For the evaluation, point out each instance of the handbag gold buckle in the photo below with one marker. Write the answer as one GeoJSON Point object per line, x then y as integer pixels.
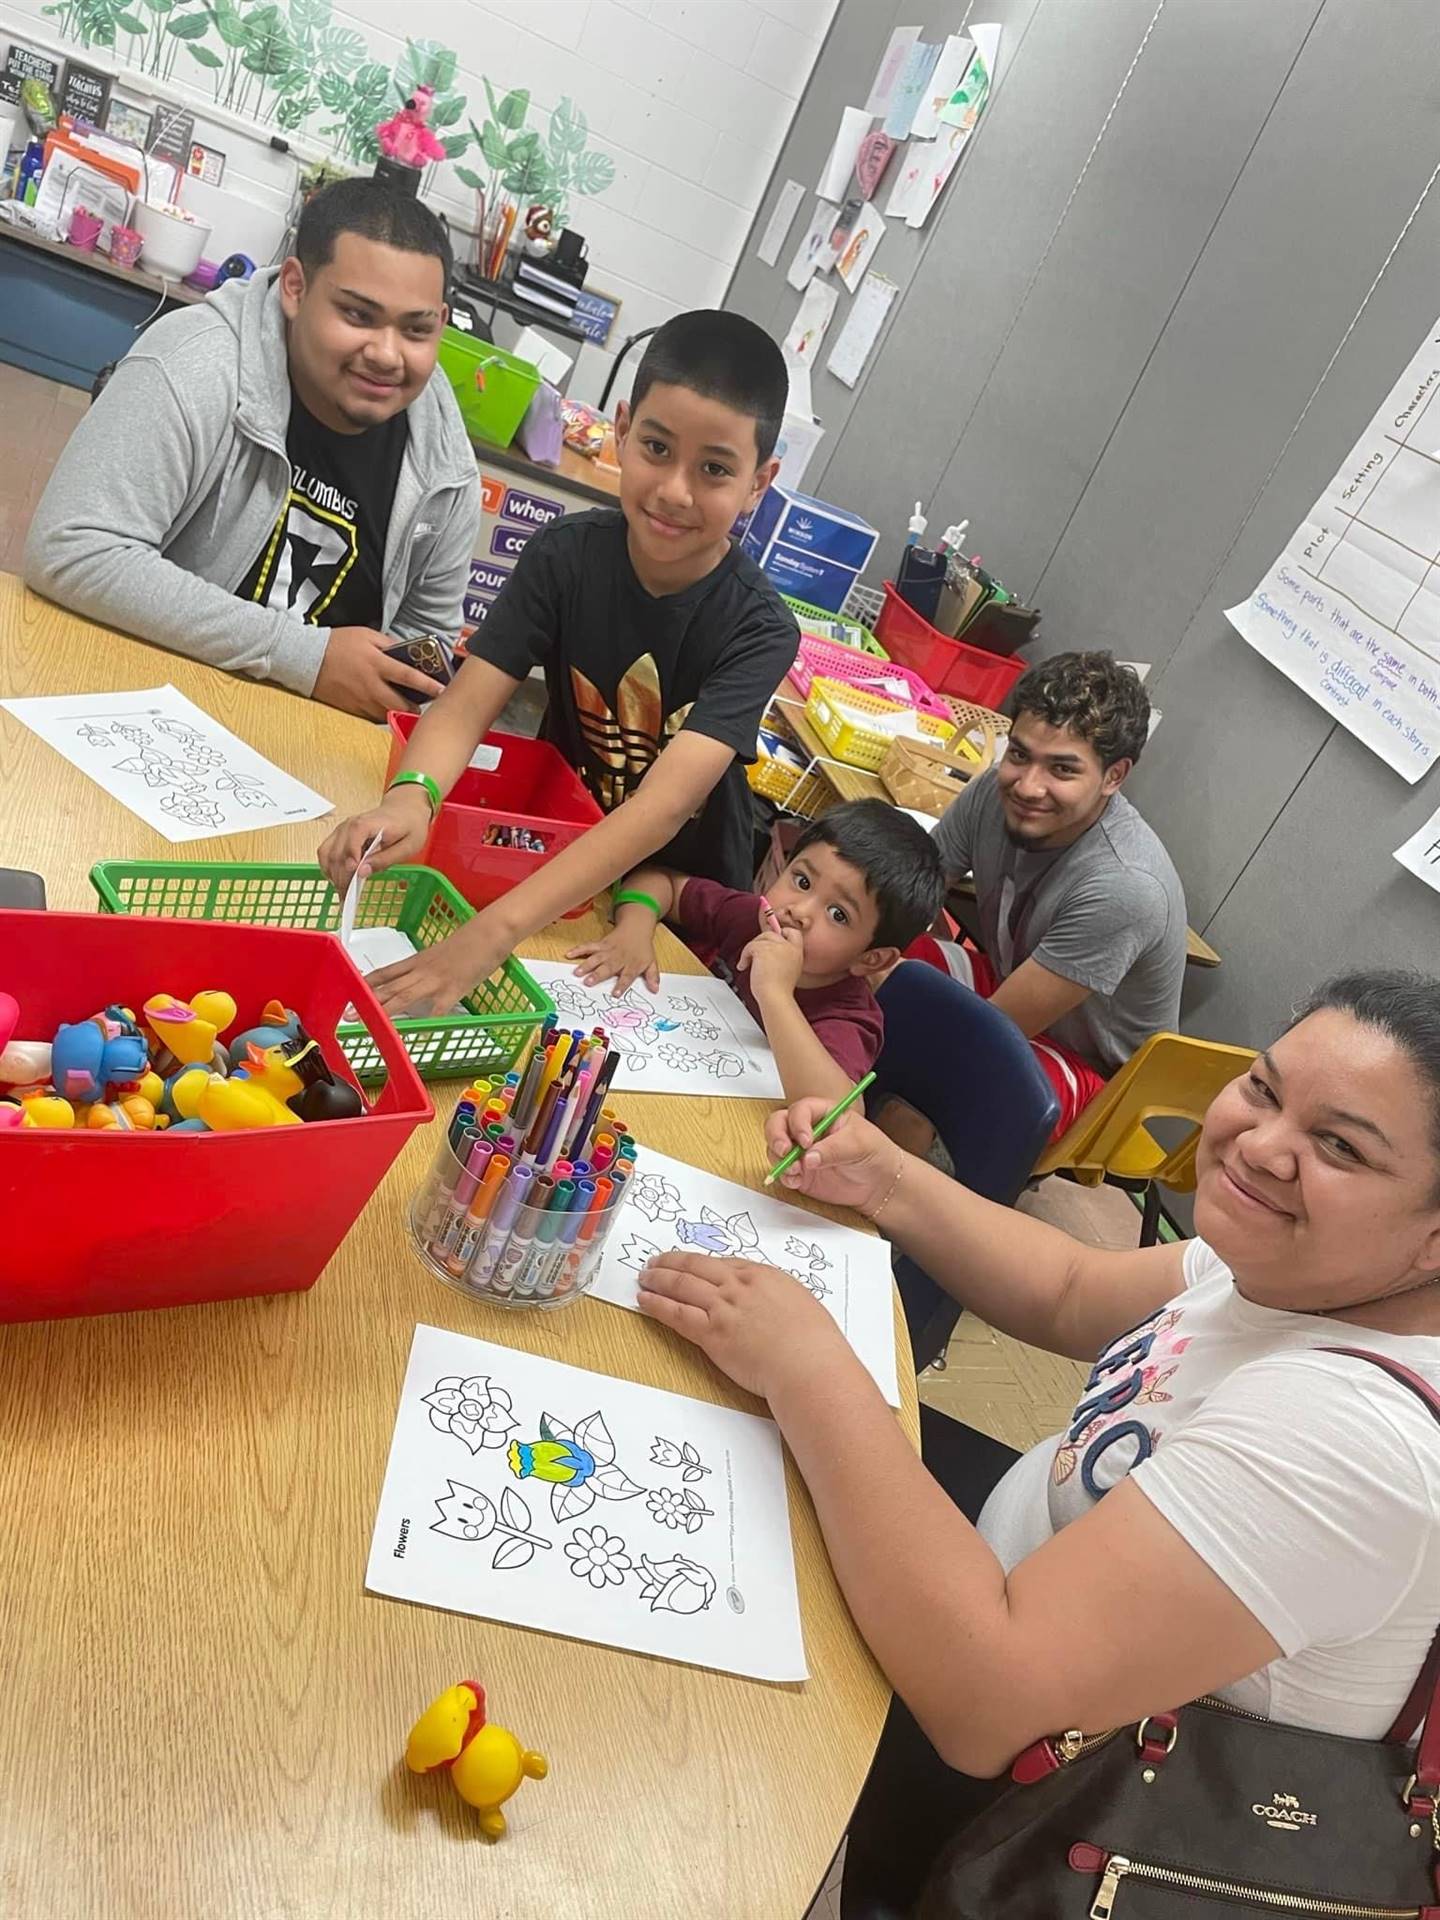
{"type": "Point", "coordinates": [1141, 1736]}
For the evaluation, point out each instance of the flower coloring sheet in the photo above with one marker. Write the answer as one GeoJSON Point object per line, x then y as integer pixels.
{"type": "Point", "coordinates": [524, 1490]}
{"type": "Point", "coordinates": [672, 1207]}
{"type": "Point", "coordinates": [694, 1036]}
{"type": "Point", "coordinates": [165, 759]}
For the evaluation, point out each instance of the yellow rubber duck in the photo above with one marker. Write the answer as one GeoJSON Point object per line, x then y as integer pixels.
{"type": "Point", "coordinates": [231, 1106]}
{"type": "Point", "coordinates": [188, 1029]}
{"type": "Point", "coordinates": [487, 1764]}
{"type": "Point", "coordinates": [47, 1110]}
{"type": "Point", "coordinates": [269, 1067]}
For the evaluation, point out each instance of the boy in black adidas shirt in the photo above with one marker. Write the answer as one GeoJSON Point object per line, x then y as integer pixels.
{"type": "Point", "coordinates": [661, 643]}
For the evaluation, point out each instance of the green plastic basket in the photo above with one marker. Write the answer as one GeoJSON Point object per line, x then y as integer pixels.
{"type": "Point", "coordinates": [860, 636]}
{"type": "Point", "coordinates": [502, 1012]}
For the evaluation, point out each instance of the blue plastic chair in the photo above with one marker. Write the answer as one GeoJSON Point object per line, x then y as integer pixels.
{"type": "Point", "coordinates": [970, 1071]}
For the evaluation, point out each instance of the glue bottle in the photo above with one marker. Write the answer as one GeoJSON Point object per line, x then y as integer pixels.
{"type": "Point", "coordinates": [918, 524]}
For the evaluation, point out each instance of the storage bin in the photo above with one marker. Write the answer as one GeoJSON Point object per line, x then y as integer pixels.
{"type": "Point", "coordinates": [105, 1222]}
{"type": "Point", "coordinates": [838, 714]}
{"type": "Point", "coordinates": [857, 634]}
{"type": "Point", "coordinates": [500, 1015]}
{"type": "Point", "coordinates": [854, 669]}
{"type": "Point", "coordinates": [533, 790]}
{"type": "Point", "coordinates": [949, 666]}
{"type": "Point", "coordinates": [493, 388]}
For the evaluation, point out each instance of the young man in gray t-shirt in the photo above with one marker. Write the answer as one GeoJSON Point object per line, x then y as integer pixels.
{"type": "Point", "coordinates": [1082, 917]}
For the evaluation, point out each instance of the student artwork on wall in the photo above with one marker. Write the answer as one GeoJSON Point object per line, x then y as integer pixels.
{"type": "Point", "coordinates": [949, 71]}
{"type": "Point", "coordinates": [1350, 612]}
{"type": "Point", "coordinates": [674, 1208]}
{"type": "Point", "coordinates": [165, 759]}
{"type": "Point", "coordinates": [694, 1036]}
{"type": "Point", "coordinates": [892, 66]}
{"type": "Point", "coordinates": [807, 329]}
{"type": "Point", "coordinates": [780, 222]}
{"type": "Point", "coordinates": [910, 89]}
{"type": "Point", "coordinates": [814, 253]}
{"type": "Point", "coordinates": [859, 249]}
{"type": "Point", "coordinates": [862, 327]}
{"type": "Point", "coordinates": [524, 1490]}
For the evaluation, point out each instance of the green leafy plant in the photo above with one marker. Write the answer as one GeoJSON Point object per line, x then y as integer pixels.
{"type": "Point", "coordinates": [530, 169]}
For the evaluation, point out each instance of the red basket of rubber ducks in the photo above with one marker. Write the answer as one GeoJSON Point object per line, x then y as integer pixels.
{"type": "Point", "coordinates": [177, 1121]}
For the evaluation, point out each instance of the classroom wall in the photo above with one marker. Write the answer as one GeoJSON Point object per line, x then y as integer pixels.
{"type": "Point", "coordinates": [1171, 282]}
{"type": "Point", "coordinates": [691, 99]}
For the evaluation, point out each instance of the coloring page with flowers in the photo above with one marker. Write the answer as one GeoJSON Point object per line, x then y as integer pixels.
{"type": "Point", "coordinates": [523, 1490]}
{"type": "Point", "coordinates": [671, 1207]}
{"type": "Point", "coordinates": [694, 1036]}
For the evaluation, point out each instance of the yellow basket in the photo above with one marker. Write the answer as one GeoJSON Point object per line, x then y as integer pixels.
{"type": "Point", "coordinates": [835, 710]}
{"type": "Point", "coordinates": [803, 790]}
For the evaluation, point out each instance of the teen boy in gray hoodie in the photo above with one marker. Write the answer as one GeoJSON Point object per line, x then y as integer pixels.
{"type": "Point", "coordinates": [271, 482]}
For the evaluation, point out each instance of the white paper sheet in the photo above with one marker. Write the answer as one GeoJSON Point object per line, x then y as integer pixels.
{"type": "Point", "coordinates": [1351, 610]}
{"type": "Point", "coordinates": [910, 89]}
{"type": "Point", "coordinates": [861, 330]}
{"type": "Point", "coordinates": [1420, 854]}
{"type": "Point", "coordinates": [840, 162]}
{"type": "Point", "coordinates": [165, 759]}
{"type": "Point", "coordinates": [971, 91]}
{"type": "Point", "coordinates": [859, 251]}
{"type": "Point", "coordinates": [807, 329]}
{"type": "Point", "coordinates": [949, 71]}
{"type": "Point", "coordinates": [672, 1538]}
{"type": "Point", "coordinates": [694, 1036]}
{"type": "Point", "coordinates": [939, 159]}
{"type": "Point", "coordinates": [909, 170]}
{"type": "Point", "coordinates": [892, 65]}
{"type": "Point", "coordinates": [814, 253]}
{"type": "Point", "coordinates": [670, 1205]}
{"type": "Point", "coordinates": [778, 225]}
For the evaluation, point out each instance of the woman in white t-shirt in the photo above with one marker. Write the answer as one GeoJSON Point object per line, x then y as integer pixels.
{"type": "Point", "coordinates": [1270, 1530]}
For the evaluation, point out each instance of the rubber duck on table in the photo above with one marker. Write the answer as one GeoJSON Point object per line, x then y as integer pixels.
{"type": "Point", "coordinates": [486, 1763]}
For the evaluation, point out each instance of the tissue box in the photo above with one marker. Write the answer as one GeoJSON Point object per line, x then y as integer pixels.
{"type": "Point", "coordinates": [811, 550]}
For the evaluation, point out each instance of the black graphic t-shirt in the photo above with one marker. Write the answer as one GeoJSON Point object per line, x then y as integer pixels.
{"type": "Point", "coordinates": [626, 671]}
{"type": "Point", "coordinates": [325, 557]}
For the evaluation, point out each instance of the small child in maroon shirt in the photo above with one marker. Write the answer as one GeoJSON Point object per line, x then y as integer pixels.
{"type": "Point", "coordinates": [862, 882]}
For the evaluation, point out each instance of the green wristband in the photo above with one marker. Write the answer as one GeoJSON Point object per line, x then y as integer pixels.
{"type": "Point", "coordinates": [412, 778]}
{"type": "Point", "coordinates": [632, 897]}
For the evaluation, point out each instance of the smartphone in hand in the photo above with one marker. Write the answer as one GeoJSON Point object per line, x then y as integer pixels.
{"type": "Point", "coordinates": [431, 655]}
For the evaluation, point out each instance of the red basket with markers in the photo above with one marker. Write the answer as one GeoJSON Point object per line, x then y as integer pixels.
{"type": "Point", "coordinates": [500, 823]}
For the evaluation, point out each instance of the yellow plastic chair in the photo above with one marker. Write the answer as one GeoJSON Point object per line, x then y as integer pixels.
{"type": "Point", "coordinates": [1170, 1077]}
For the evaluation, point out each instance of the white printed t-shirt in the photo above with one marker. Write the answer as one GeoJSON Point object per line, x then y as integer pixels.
{"type": "Point", "coordinates": [1309, 1483]}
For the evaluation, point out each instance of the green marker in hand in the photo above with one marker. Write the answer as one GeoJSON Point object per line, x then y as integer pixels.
{"type": "Point", "coordinates": [821, 1128]}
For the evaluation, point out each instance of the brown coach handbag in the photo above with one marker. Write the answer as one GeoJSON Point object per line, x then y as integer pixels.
{"type": "Point", "coordinates": [1209, 1812]}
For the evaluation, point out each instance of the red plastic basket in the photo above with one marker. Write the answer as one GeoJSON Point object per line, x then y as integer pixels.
{"type": "Point", "coordinates": [534, 788]}
{"type": "Point", "coordinates": [949, 666]}
{"type": "Point", "coordinates": [862, 670]}
{"type": "Point", "coordinates": [104, 1222]}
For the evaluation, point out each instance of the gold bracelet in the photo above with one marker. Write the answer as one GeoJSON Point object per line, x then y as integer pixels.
{"type": "Point", "coordinates": [874, 1215]}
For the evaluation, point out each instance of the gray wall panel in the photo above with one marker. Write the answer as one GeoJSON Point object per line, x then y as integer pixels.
{"type": "Point", "coordinates": [1111, 375]}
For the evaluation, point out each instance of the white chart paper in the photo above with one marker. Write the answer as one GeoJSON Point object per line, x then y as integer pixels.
{"type": "Point", "coordinates": [862, 326]}
{"type": "Point", "coordinates": [665, 1529]}
{"type": "Point", "coordinates": [1420, 854]}
{"type": "Point", "coordinates": [778, 225]}
{"type": "Point", "coordinates": [670, 1206]}
{"type": "Point", "coordinates": [694, 1036]}
{"type": "Point", "coordinates": [1351, 610]}
{"type": "Point", "coordinates": [165, 759]}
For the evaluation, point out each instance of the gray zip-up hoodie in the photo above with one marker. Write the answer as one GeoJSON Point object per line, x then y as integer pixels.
{"type": "Point", "coordinates": [173, 481]}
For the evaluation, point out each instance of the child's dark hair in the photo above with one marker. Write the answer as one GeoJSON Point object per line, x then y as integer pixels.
{"type": "Point", "coordinates": [1092, 695]}
{"type": "Point", "coordinates": [724, 357]}
{"type": "Point", "coordinates": [375, 212]}
{"type": "Point", "coordinates": [896, 855]}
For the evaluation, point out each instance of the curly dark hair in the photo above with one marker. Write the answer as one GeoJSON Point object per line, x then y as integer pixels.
{"type": "Point", "coordinates": [1091, 694]}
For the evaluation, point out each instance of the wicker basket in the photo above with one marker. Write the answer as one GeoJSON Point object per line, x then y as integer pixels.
{"type": "Point", "coordinates": [928, 778]}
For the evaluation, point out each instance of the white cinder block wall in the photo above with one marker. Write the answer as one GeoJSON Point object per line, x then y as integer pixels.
{"type": "Point", "coordinates": [691, 98]}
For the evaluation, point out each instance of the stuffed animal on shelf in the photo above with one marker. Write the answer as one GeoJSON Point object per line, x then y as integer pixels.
{"type": "Point", "coordinates": [406, 137]}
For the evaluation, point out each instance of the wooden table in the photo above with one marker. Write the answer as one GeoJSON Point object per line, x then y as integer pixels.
{"type": "Point", "coordinates": [203, 1712]}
